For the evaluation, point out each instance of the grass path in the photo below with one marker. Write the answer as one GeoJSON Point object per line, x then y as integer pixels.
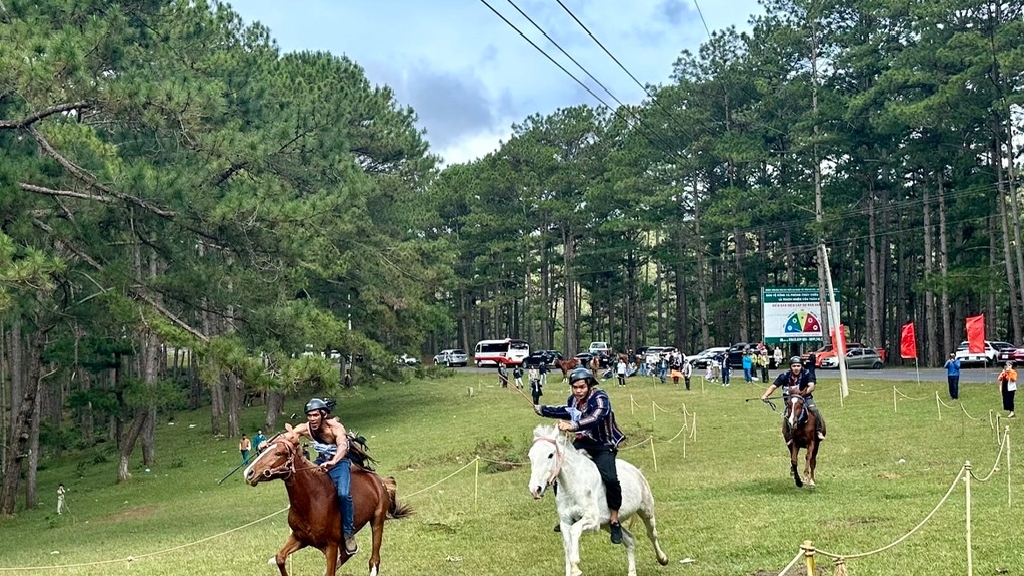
{"type": "Point", "coordinates": [729, 504]}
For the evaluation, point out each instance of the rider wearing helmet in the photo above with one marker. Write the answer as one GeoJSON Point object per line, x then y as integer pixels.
{"type": "Point", "coordinates": [803, 380]}
{"type": "Point", "coordinates": [331, 444]}
{"type": "Point", "coordinates": [588, 413]}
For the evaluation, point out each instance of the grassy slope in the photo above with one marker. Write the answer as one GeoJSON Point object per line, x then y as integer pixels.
{"type": "Point", "coordinates": [730, 503]}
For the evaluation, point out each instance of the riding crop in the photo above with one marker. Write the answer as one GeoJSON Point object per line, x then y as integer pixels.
{"type": "Point", "coordinates": [230, 473]}
{"type": "Point", "coordinates": [767, 401]}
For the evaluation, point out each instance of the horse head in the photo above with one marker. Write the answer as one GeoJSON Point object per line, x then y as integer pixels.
{"type": "Point", "coordinates": [546, 457]}
{"type": "Point", "coordinates": [794, 407]}
{"type": "Point", "coordinates": [277, 460]}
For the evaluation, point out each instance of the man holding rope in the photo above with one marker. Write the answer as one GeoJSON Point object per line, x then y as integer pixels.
{"type": "Point", "coordinates": [588, 414]}
{"type": "Point", "coordinates": [804, 383]}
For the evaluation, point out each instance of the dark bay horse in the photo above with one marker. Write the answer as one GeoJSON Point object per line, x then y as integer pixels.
{"type": "Point", "coordinates": [799, 431]}
{"type": "Point", "coordinates": [566, 364]}
{"type": "Point", "coordinates": [314, 516]}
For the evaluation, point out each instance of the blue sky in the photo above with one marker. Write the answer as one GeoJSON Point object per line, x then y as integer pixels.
{"type": "Point", "coordinates": [469, 75]}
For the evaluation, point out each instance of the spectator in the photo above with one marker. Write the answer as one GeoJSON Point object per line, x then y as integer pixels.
{"type": "Point", "coordinates": [687, 373]}
{"type": "Point", "coordinates": [502, 375]}
{"type": "Point", "coordinates": [258, 440]}
{"type": "Point", "coordinates": [244, 445]}
{"type": "Point", "coordinates": [536, 388]}
{"type": "Point", "coordinates": [517, 373]}
{"type": "Point", "coordinates": [748, 366]}
{"type": "Point", "coordinates": [543, 373]}
{"type": "Point", "coordinates": [60, 498]}
{"type": "Point", "coordinates": [777, 357]}
{"type": "Point", "coordinates": [762, 363]}
{"type": "Point", "coordinates": [726, 370]}
{"type": "Point", "coordinates": [953, 376]}
{"type": "Point", "coordinates": [1008, 388]}
{"type": "Point", "coordinates": [620, 371]}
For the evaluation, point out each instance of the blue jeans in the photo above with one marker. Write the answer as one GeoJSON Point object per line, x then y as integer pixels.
{"type": "Point", "coordinates": [342, 477]}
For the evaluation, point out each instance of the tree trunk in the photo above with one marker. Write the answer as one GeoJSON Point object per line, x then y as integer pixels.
{"type": "Point", "coordinates": [32, 465]}
{"type": "Point", "coordinates": [931, 329]}
{"type": "Point", "coordinates": [569, 336]}
{"type": "Point", "coordinates": [21, 431]}
{"type": "Point", "coordinates": [128, 444]}
{"type": "Point", "coordinates": [682, 311]}
{"type": "Point", "coordinates": [275, 404]}
{"type": "Point", "coordinates": [1011, 288]}
{"type": "Point", "coordinates": [743, 313]}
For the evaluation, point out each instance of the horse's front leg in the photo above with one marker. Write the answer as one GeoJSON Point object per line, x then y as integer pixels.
{"type": "Point", "coordinates": [582, 525]}
{"type": "Point", "coordinates": [566, 530]}
{"type": "Point", "coordinates": [811, 462]}
{"type": "Point", "coordinates": [291, 545]}
{"type": "Point", "coordinates": [794, 452]}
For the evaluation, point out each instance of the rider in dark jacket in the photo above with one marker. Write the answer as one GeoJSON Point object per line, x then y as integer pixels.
{"type": "Point", "coordinates": [588, 413]}
{"type": "Point", "coordinates": [804, 383]}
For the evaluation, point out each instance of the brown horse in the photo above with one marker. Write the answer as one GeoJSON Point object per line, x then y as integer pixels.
{"type": "Point", "coordinates": [314, 516]}
{"type": "Point", "coordinates": [799, 431]}
{"type": "Point", "coordinates": [566, 365]}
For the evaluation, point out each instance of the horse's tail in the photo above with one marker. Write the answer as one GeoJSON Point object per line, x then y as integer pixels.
{"type": "Point", "coordinates": [396, 511]}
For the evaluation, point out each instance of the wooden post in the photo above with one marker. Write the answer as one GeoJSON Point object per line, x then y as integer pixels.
{"type": "Point", "coordinates": [808, 549]}
{"type": "Point", "coordinates": [967, 486]}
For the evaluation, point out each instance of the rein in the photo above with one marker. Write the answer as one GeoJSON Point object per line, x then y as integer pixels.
{"type": "Point", "coordinates": [559, 459]}
{"type": "Point", "coordinates": [288, 469]}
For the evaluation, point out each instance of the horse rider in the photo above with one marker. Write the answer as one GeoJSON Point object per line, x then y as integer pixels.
{"type": "Point", "coordinates": [588, 414]}
{"type": "Point", "coordinates": [331, 444]}
{"type": "Point", "coordinates": [804, 382]}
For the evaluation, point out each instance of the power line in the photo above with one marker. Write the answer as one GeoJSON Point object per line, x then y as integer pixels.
{"type": "Point", "coordinates": [626, 70]}
{"type": "Point", "coordinates": [655, 141]}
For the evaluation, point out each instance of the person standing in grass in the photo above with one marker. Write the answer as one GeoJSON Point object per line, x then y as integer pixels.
{"type": "Point", "coordinates": [60, 498]}
{"type": "Point", "coordinates": [258, 439]}
{"type": "Point", "coordinates": [502, 375]}
{"type": "Point", "coordinates": [1008, 388]}
{"type": "Point", "coordinates": [953, 375]}
{"type": "Point", "coordinates": [687, 373]}
{"type": "Point", "coordinates": [244, 445]}
{"type": "Point", "coordinates": [536, 387]}
{"type": "Point", "coordinates": [517, 373]}
{"type": "Point", "coordinates": [588, 414]}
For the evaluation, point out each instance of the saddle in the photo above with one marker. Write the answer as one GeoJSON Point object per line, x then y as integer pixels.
{"type": "Point", "coordinates": [357, 452]}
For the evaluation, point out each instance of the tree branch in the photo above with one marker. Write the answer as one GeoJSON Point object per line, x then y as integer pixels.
{"type": "Point", "coordinates": [133, 291]}
{"type": "Point", "coordinates": [68, 193]}
{"type": "Point", "coordinates": [89, 180]}
{"type": "Point", "coordinates": [33, 118]}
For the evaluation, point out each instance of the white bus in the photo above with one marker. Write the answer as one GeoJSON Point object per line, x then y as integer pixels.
{"type": "Point", "coordinates": [507, 351]}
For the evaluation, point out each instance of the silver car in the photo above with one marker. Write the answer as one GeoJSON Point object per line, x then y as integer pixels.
{"type": "Point", "coordinates": [452, 357]}
{"type": "Point", "coordinates": [856, 358]}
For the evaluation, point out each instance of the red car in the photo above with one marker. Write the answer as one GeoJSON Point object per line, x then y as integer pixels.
{"type": "Point", "coordinates": [1013, 354]}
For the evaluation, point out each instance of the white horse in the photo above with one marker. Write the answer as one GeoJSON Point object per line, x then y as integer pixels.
{"type": "Point", "coordinates": [581, 497]}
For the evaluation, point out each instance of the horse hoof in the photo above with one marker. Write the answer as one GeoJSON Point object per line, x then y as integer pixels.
{"type": "Point", "coordinates": [810, 483]}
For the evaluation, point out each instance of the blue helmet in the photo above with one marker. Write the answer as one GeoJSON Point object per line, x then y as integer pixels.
{"type": "Point", "coordinates": [317, 404]}
{"type": "Point", "coordinates": [582, 373]}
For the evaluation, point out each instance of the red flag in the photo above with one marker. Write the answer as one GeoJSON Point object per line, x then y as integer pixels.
{"type": "Point", "coordinates": [976, 334]}
{"type": "Point", "coordinates": [908, 342]}
{"type": "Point", "coordinates": [839, 341]}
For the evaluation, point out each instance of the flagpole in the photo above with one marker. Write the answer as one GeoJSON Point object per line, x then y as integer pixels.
{"type": "Point", "coordinates": [839, 344]}
{"type": "Point", "coordinates": [918, 368]}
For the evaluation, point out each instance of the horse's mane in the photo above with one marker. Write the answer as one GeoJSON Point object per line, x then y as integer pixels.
{"type": "Point", "coordinates": [546, 431]}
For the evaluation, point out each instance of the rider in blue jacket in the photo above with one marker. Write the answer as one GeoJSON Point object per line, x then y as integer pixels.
{"type": "Point", "coordinates": [804, 383]}
{"type": "Point", "coordinates": [588, 414]}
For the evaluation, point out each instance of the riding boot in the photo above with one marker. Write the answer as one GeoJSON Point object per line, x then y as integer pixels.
{"type": "Point", "coordinates": [350, 544]}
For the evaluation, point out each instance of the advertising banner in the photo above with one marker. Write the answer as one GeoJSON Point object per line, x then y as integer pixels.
{"type": "Point", "coordinates": [791, 314]}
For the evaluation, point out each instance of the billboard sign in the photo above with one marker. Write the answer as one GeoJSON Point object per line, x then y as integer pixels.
{"type": "Point", "coordinates": [791, 314]}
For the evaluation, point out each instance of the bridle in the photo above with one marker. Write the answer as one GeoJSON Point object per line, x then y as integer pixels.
{"type": "Point", "coordinates": [286, 470]}
{"type": "Point", "coordinates": [559, 458]}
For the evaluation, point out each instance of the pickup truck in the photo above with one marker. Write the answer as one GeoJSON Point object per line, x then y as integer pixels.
{"type": "Point", "coordinates": [829, 351]}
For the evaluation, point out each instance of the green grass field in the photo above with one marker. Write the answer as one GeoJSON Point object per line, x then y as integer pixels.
{"type": "Point", "coordinates": [729, 504]}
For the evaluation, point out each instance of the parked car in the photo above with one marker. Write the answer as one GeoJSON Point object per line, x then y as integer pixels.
{"type": "Point", "coordinates": [652, 353]}
{"type": "Point", "coordinates": [406, 360]}
{"type": "Point", "coordinates": [452, 357]}
{"type": "Point", "coordinates": [829, 351]}
{"type": "Point", "coordinates": [584, 357]}
{"type": "Point", "coordinates": [856, 358]}
{"type": "Point", "coordinates": [989, 356]}
{"type": "Point", "coordinates": [736, 353]}
{"type": "Point", "coordinates": [701, 359]}
{"type": "Point", "coordinates": [542, 357]}
{"type": "Point", "coordinates": [601, 348]}
{"type": "Point", "coordinates": [1013, 354]}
